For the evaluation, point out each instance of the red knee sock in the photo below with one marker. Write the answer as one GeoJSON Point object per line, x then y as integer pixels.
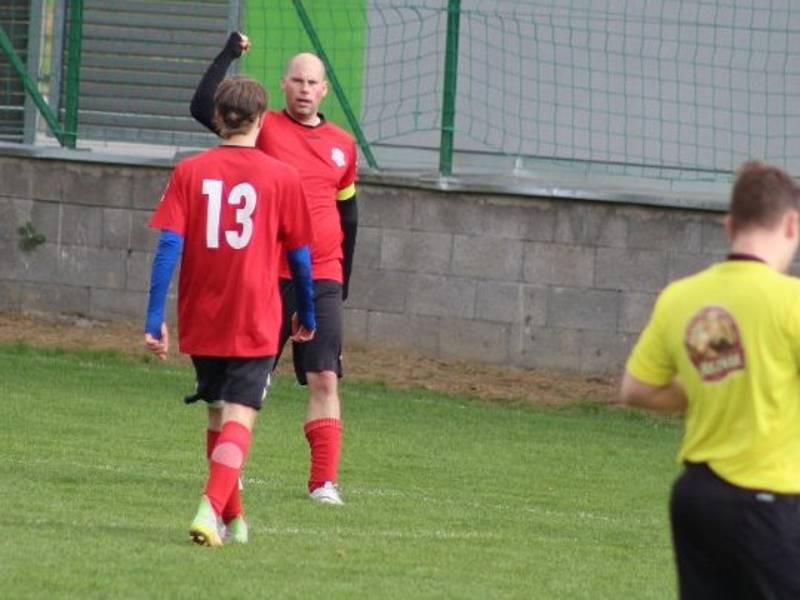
{"type": "Point", "coordinates": [233, 508]}
{"type": "Point", "coordinates": [225, 464]}
{"type": "Point", "coordinates": [325, 440]}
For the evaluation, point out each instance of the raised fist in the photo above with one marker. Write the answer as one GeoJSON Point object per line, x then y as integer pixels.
{"type": "Point", "coordinates": [238, 43]}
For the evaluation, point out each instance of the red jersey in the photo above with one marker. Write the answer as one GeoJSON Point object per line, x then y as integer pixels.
{"type": "Point", "coordinates": [326, 158]}
{"type": "Point", "coordinates": [235, 208]}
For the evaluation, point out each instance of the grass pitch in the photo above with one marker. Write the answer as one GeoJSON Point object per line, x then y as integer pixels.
{"type": "Point", "coordinates": [102, 466]}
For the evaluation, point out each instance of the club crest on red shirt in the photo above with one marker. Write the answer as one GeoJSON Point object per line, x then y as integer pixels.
{"type": "Point", "coordinates": [338, 157]}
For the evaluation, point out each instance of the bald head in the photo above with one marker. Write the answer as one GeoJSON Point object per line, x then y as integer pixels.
{"type": "Point", "coordinates": [304, 87]}
{"type": "Point", "coordinates": [307, 63]}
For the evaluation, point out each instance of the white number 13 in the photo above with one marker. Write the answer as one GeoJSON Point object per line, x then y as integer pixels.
{"type": "Point", "coordinates": [242, 192]}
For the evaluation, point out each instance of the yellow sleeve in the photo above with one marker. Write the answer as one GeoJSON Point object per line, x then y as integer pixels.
{"type": "Point", "coordinates": [651, 361]}
{"type": "Point", "coordinates": [793, 326]}
{"type": "Point", "coordinates": [346, 193]}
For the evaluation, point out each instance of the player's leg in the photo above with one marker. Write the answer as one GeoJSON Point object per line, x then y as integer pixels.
{"type": "Point", "coordinates": [244, 388]}
{"type": "Point", "coordinates": [232, 511]}
{"type": "Point", "coordinates": [323, 396]}
{"type": "Point", "coordinates": [321, 364]}
{"type": "Point", "coordinates": [752, 538]}
{"type": "Point", "coordinates": [225, 467]}
{"type": "Point", "coordinates": [227, 458]}
{"type": "Point", "coordinates": [212, 435]}
{"type": "Point", "coordinates": [323, 430]}
{"type": "Point", "coordinates": [233, 527]}
{"type": "Point", "coordinates": [702, 516]}
{"type": "Point", "coordinates": [210, 374]}
{"type": "Point", "coordinates": [214, 426]}
{"type": "Point", "coordinates": [769, 542]}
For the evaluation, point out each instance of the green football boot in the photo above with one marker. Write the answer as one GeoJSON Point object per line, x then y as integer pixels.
{"type": "Point", "coordinates": [204, 529]}
{"type": "Point", "coordinates": [237, 531]}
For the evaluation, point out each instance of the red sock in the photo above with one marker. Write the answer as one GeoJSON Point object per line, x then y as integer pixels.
{"type": "Point", "coordinates": [325, 439]}
{"type": "Point", "coordinates": [225, 465]}
{"type": "Point", "coordinates": [233, 508]}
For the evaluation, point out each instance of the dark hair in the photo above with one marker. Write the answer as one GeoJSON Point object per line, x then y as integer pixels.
{"type": "Point", "coordinates": [762, 194]}
{"type": "Point", "coordinates": [238, 102]}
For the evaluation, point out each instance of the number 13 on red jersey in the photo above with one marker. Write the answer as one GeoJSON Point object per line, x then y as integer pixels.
{"type": "Point", "coordinates": [243, 196]}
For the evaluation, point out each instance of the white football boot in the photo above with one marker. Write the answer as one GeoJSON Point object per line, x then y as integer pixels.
{"type": "Point", "coordinates": [328, 493]}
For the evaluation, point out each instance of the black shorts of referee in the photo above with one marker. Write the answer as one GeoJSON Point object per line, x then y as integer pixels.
{"type": "Point", "coordinates": [324, 352]}
{"type": "Point", "coordinates": [734, 543]}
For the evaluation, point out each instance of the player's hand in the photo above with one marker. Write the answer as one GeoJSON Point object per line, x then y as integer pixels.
{"type": "Point", "coordinates": [158, 347]}
{"type": "Point", "coordinates": [238, 43]}
{"type": "Point", "coordinates": [300, 333]}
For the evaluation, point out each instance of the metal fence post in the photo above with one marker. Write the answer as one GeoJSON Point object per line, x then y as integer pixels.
{"type": "Point", "coordinates": [30, 86]}
{"type": "Point", "coordinates": [35, 27]}
{"type": "Point", "coordinates": [235, 9]}
{"type": "Point", "coordinates": [337, 87]}
{"type": "Point", "coordinates": [73, 72]}
{"type": "Point", "coordinates": [450, 82]}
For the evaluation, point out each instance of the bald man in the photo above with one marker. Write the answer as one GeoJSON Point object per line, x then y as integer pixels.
{"type": "Point", "coordinates": [304, 86]}
{"type": "Point", "coordinates": [325, 157]}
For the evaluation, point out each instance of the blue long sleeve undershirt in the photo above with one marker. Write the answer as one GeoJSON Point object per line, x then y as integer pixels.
{"type": "Point", "coordinates": [300, 266]}
{"type": "Point", "coordinates": [168, 251]}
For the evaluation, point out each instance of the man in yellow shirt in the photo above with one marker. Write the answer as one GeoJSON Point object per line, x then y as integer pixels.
{"type": "Point", "coordinates": [724, 345]}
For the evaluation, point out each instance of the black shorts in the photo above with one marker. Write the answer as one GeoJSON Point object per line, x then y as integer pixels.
{"type": "Point", "coordinates": [324, 352]}
{"type": "Point", "coordinates": [731, 542]}
{"type": "Point", "coordinates": [244, 381]}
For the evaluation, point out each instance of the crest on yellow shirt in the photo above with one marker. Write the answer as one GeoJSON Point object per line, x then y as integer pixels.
{"type": "Point", "coordinates": [714, 345]}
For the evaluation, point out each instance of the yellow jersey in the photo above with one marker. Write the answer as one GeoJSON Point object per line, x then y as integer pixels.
{"type": "Point", "coordinates": [731, 335]}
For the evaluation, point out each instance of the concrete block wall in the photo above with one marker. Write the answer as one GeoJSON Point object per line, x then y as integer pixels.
{"type": "Point", "coordinates": [96, 258]}
{"type": "Point", "coordinates": [531, 282]}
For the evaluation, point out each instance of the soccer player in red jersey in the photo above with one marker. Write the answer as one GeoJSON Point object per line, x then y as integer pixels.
{"type": "Point", "coordinates": [326, 158]}
{"type": "Point", "coordinates": [227, 213]}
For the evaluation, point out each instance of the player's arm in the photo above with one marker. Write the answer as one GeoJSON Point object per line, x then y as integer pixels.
{"type": "Point", "coordinates": [650, 379]}
{"type": "Point", "coordinates": [348, 217]}
{"type": "Point", "coordinates": [665, 398]}
{"type": "Point", "coordinates": [304, 321]}
{"type": "Point", "coordinates": [202, 105]}
{"type": "Point", "coordinates": [168, 251]}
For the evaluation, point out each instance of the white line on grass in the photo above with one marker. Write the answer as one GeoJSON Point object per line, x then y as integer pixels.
{"type": "Point", "coordinates": [437, 534]}
{"type": "Point", "coordinates": [418, 495]}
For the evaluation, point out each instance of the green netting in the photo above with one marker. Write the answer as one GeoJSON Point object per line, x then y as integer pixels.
{"type": "Point", "coordinates": [14, 18]}
{"type": "Point", "coordinates": [277, 34]}
{"type": "Point", "coordinates": [404, 73]}
{"type": "Point", "coordinates": [674, 88]}
{"type": "Point", "coordinates": [678, 89]}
